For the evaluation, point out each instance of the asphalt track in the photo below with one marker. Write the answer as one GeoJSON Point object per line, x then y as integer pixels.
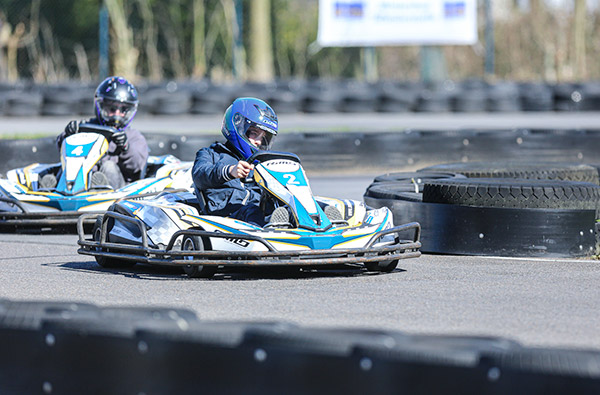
{"type": "Point", "coordinates": [534, 301]}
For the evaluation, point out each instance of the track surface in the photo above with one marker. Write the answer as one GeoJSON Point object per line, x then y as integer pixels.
{"type": "Point", "coordinates": [537, 302]}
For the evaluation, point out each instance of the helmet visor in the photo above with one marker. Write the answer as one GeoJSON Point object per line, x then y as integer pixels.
{"type": "Point", "coordinates": [259, 136]}
{"type": "Point", "coordinates": [116, 113]}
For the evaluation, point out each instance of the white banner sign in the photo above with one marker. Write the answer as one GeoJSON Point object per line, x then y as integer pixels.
{"type": "Point", "coordinates": [396, 22]}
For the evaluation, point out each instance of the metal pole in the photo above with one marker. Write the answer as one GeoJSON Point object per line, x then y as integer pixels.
{"type": "Point", "coordinates": [104, 41]}
{"type": "Point", "coordinates": [370, 64]}
{"type": "Point", "coordinates": [489, 39]}
{"type": "Point", "coordinates": [433, 64]}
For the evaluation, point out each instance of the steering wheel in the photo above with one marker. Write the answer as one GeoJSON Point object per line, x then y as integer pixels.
{"type": "Point", "coordinates": [261, 156]}
{"type": "Point", "coordinates": [106, 131]}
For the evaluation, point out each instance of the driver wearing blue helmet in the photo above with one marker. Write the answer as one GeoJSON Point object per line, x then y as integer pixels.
{"type": "Point", "coordinates": [249, 125]}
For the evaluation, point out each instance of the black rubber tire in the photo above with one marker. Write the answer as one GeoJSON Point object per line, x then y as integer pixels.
{"type": "Point", "coordinates": [417, 176]}
{"type": "Point", "coordinates": [513, 193]}
{"type": "Point", "coordinates": [385, 190]}
{"type": "Point", "coordinates": [405, 185]}
{"type": "Point", "coordinates": [536, 97]}
{"type": "Point", "coordinates": [105, 262]}
{"type": "Point", "coordinates": [195, 243]}
{"type": "Point", "coordinates": [383, 266]}
{"type": "Point", "coordinates": [525, 170]}
{"type": "Point", "coordinates": [461, 230]}
{"type": "Point", "coordinates": [175, 103]}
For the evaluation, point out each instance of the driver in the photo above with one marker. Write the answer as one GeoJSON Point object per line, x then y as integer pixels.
{"type": "Point", "coordinates": [249, 124]}
{"type": "Point", "coordinates": [116, 102]}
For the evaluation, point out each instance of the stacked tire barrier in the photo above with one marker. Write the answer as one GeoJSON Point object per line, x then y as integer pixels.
{"type": "Point", "coordinates": [312, 96]}
{"type": "Point", "coordinates": [54, 347]}
{"type": "Point", "coordinates": [530, 209]}
{"type": "Point", "coordinates": [405, 150]}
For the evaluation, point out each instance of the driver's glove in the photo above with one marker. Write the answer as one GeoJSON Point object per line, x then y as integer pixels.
{"type": "Point", "coordinates": [71, 128]}
{"type": "Point", "coordinates": [120, 139]}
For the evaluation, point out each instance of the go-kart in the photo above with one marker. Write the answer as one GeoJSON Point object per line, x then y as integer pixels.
{"type": "Point", "coordinates": [173, 229]}
{"type": "Point", "coordinates": [26, 199]}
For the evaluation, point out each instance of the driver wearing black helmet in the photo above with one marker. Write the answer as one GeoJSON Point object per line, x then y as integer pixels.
{"type": "Point", "coordinates": [115, 103]}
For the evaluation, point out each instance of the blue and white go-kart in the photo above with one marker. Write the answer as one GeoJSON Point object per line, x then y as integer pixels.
{"type": "Point", "coordinates": [171, 229]}
{"type": "Point", "coordinates": [24, 202]}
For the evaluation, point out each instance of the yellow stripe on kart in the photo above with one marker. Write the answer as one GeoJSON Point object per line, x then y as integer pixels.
{"type": "Point", "coordinates": [26, 173]}
{"type": "Point", "coordinates": [103, 149]}
{"type": "Point", "coordinates": [288, 244]}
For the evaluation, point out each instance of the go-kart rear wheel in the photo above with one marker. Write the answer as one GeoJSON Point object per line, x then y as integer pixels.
{"type": "Point", "coordinates": [195, 243]}
{"type": "Point", "coordinates": [106, 262]}
{"type": "Point", "coordinates": [382, 266]}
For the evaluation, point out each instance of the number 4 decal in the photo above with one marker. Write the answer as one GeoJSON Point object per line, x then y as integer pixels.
{"type": "Point", "coordinates": [77, 150]}
{"type": "Point", "coordinates": [291, 179]}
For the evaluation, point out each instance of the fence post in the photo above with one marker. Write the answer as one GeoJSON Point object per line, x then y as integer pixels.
{"type": "Point", "coordinates": [104, 41]}
{"type": "Point", "coordinates": [433, 64]}
{"type": "Point", "coordinates": [238, 57]}
{"type": "Point", "coordinates": [489, 40]}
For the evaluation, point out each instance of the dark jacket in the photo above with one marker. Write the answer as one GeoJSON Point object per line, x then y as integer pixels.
{"type": "Point", "coordinates": [224, 195]}
{"type": "Point", "coordinates": [132, 162]}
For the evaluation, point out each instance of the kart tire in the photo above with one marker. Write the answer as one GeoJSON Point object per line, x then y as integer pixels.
{"type": "Point", "coordinates": [407, 177]}
{"type": "Point", "coordinates": [106, 262]}
{"type": "Point", "coordinates": [382, 266]}
{"type": "Point", "coordinates": [386, 190]}
{"type": "Point", "coordinates": [195, 243]}
{"type": "Point", "coordinates": [514, 193]}
{"type": "Point", "coordinates": [495, 231]}
{"type": "Point", "coordinates": [391, 185]}
{"type": "Point", "coordinates": [525, 170]}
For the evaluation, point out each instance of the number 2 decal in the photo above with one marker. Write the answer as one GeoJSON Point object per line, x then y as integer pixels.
{"type": "Point", "coordinates": [77, 150]}
{"type": "Point", "coordinates": [291, 179]}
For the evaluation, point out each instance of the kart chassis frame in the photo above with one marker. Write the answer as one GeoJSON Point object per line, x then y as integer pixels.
{"type": "Point", "coordinates": [171, 256]}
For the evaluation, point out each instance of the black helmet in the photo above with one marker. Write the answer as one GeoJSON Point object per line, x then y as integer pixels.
{"type": "Point", "coordinates": [112, 95]}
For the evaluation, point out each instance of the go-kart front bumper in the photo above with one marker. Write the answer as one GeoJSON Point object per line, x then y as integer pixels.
{"type": "Point", "coordinates": [173, 256]}
{"type": "Point", "coordinates": [17, 216]}
{"type": "Point", "coordinates": [26, 219]}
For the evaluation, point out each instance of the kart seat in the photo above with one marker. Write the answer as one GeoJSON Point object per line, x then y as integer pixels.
{"type": "Point", "coordinates": [200, 200]}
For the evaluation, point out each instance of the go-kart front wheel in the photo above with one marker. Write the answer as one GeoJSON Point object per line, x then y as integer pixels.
{"type": "Point", "coordinates": [195, 243]}
{"type": "Point", "coordinates": [382, 266]}
{"type": "Point", "coordinates": [106, 262]}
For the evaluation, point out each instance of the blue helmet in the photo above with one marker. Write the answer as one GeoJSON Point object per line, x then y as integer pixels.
{"type": "Point", "coordinates": [243, 114]}
{"type": "Point", "coordinates": [115, 93]}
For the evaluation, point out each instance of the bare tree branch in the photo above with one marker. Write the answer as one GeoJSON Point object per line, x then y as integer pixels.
{"type": "Point", "coordinates": [82, 63]}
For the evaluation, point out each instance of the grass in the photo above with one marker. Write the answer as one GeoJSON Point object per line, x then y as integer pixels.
{"type": "Point", "coordinates": [26, 136]}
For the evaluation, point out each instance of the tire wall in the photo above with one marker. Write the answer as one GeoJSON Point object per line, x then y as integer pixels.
{"type": "Point", "coordinates": [108, 350]}
{"type": "Point", "coordinates": [463, 230]}
{"type": "Point", "coordinates": [391, 151]}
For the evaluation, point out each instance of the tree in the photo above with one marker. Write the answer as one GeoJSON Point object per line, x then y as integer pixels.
{"type": "Point", "coordinates": [579, 28]}
{"type": "Point", "coordinates": [16, 38]}
{"type": "Point", "coordinates": [260, 41]}
{"type": "Point", "coordinates": [199, 69]}
{"type": "Point", "coordinates": [153, 58]}
{"type": "Point", "coordinates": [125, 55]}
